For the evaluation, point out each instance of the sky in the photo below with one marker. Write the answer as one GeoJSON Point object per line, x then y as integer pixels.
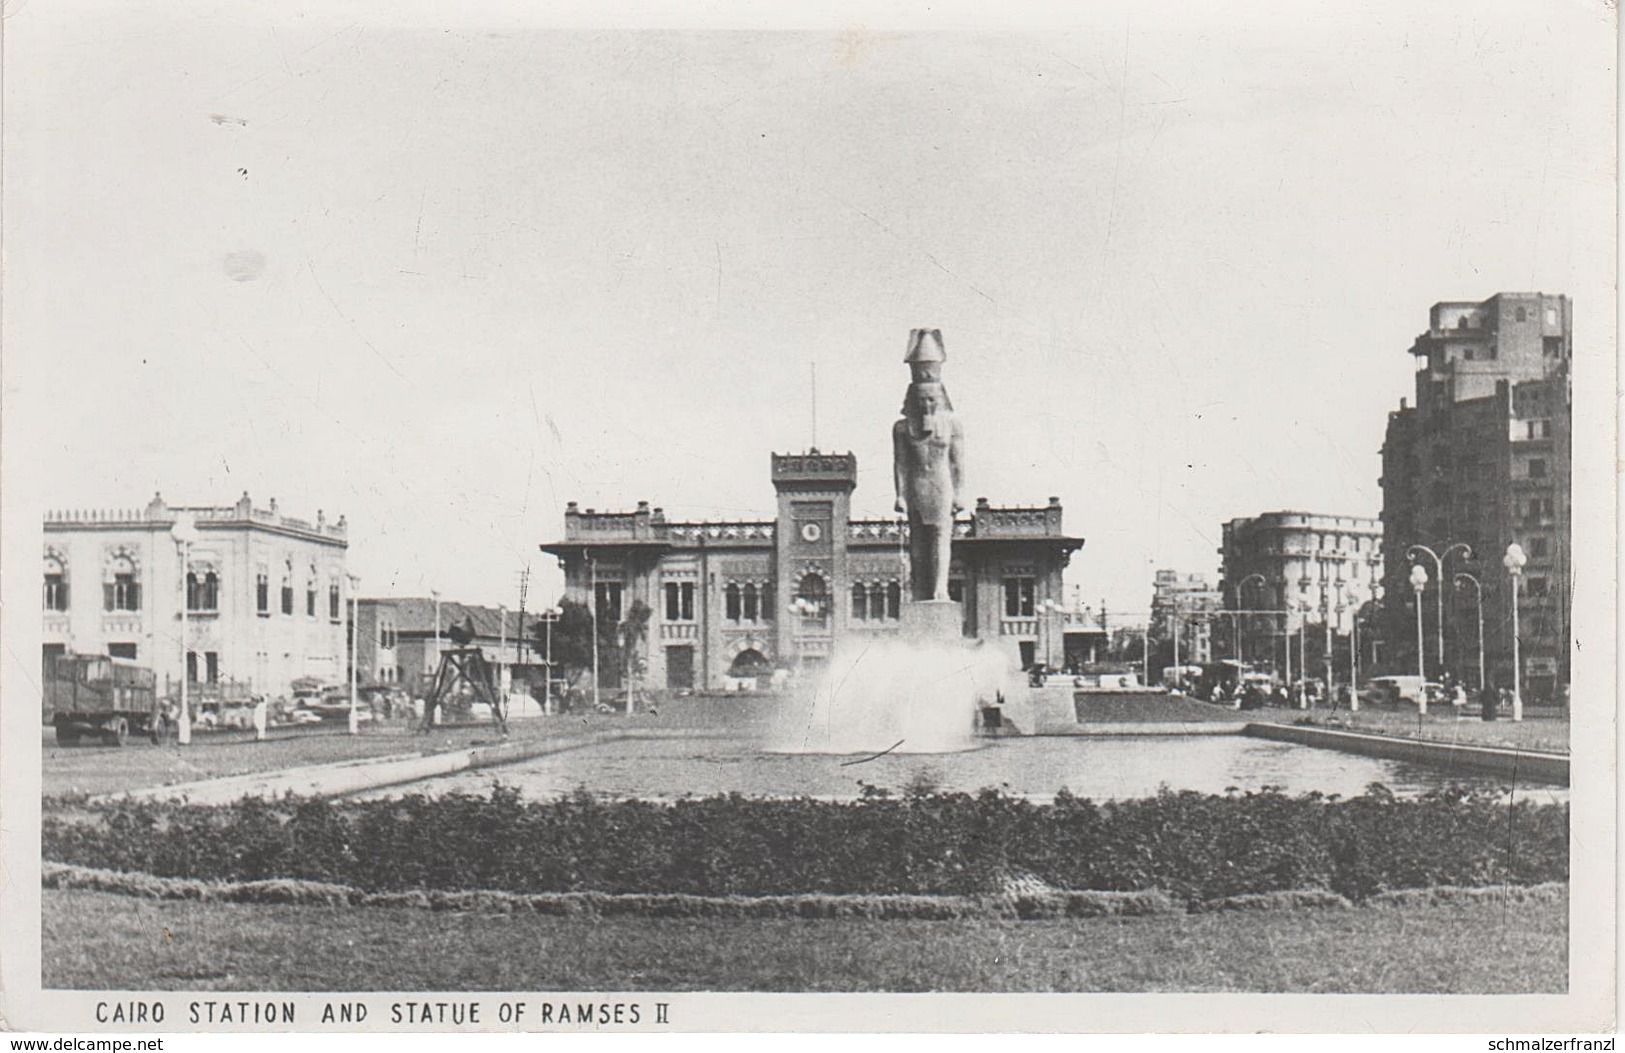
{"type": "Point", "coordinates": [441, 273]}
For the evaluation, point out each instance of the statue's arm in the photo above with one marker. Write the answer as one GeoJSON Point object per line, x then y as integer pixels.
{"type": "Point", "coordinates": [956, 462]}
{"type": "Point", "coordinates": [898, 453]}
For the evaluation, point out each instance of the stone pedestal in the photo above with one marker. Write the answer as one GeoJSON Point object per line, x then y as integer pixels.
{"type": "Point", "coordinates": [932, 621]}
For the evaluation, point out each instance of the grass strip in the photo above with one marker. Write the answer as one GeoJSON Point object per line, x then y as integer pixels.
{"type": "Point", "coordinates": [97, 941]}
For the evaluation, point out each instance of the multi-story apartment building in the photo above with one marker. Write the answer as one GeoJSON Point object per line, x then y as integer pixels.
{"type": "Point", "coordinates": [1282, 571]}
{"type": "Point", "coordinates": [264, 593]}
{"type": "Point", "coordinates": [1483, 460]}
{"type": "Point", "coordinates": [735, 599]}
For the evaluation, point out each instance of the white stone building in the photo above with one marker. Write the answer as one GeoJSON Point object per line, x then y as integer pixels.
{"type": "Point", "coordinates": [265, 593]}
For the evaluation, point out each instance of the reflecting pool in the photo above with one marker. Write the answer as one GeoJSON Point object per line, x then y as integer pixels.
{"type": "Point", "coordinates": [1101, 768]}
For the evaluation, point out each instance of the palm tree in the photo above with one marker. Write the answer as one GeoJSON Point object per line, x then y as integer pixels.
{"type": "Point", "coordinates": [633, 632]}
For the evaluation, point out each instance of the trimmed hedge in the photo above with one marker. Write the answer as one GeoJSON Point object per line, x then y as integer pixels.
{"type": "Point", "coordinates": [1195, 847]}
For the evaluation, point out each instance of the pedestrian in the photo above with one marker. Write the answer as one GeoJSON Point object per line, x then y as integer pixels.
{"type": "Point", "coordinates": [1488, 702]}
{"type": "Point", "coordinates": [261, 716]}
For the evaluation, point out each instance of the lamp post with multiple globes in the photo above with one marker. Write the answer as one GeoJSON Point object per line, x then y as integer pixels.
{"type": "Point", "coordinates": [185, 533]}
{"type": "Point", "coordinates": [1419, 582]}
{"type": "Point", "coordinates": [1438, 559]}
{"type": "Point", "coordinates": [1514, 561]}
{"type": "Point", "coordinates": [1478, 605]}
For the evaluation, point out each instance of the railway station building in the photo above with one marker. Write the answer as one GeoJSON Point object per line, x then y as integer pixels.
{"type": "Point", "coordinates": [735, 601]}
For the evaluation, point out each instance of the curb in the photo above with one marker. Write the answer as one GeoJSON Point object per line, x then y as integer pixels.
{"type": "Point", "coordinates": [1024, 906]}
{"type": "Point", "coordinates": [353, 776]}
{"type": "Point", "coordinates": [1536, 766]}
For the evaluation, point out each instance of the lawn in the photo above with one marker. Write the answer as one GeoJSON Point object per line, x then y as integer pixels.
{"type": "Point", "coordinates": [1130, 707]}
{"type": "Point", "coordinates": [96, 940]}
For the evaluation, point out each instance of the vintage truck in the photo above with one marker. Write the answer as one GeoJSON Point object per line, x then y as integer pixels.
{"type": "Point", "coordinates": [92, 694]}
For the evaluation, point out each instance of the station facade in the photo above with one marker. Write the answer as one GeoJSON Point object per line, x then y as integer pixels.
{"type": "Point", "coordinates": [737, 600]}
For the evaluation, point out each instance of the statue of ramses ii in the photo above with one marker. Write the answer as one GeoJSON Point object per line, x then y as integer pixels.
{"type": "Point", "coordinates": [927, 451]}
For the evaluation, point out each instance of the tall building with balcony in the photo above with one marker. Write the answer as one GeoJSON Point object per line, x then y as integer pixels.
{"type": "Point", "coordinates": [1483, 460]}
{"type": "Point", "coordinates": [1282, 571]}
{"type": "Point", "coordinates": [736, 599]}
{"type": "Point", "coordinates": [265, 594]}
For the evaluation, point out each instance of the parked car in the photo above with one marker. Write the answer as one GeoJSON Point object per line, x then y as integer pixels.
{"type": "Point", "coordinates": [1393, 691]}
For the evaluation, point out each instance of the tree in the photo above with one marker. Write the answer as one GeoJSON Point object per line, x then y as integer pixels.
{"type": "Point", "coordinates": [633, 632]}
{"type": "Point", "coordinates": [571, 639]}
{"type": "Point", "coordinates": [620, 646]}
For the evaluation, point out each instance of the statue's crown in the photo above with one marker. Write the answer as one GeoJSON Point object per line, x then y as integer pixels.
{"type": "Point", "coordinates": [925, 345]}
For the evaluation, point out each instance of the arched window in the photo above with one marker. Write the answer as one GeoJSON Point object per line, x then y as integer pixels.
{"type": "Point", "coordinates": [287, 587]}
{"type": "Point", "coordinates": [894, 601]}
{"type": "Point", "coordinates": [860, 601]}
{"type": "Point", "coordinates": [748, 595]}
{"type": "Point", "coordinates": [202, 591]}
{"type": "Point", "coordinates": [767, 602]}
{"type": "Point", "coordinates": [310, 593]}
{"type": "Point", "coordinates": [680, 601]}
{"type": "Point", "coordinates": [333, 599]}
{"type": "Point", "coordinates": [877, 600]}
{"type": "Point", "coordinates": [121, 591]}
{"type": "Point", "coordinates": [730, 599]}
{"type": "Point", "coordinates": [750, 662]}
{"type": "Point", "coordinates": [56, 584]}
{"type": "Point", "coordinates": [812, 598]}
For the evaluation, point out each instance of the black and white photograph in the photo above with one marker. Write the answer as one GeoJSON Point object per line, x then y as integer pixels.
{"type": "Point", "coordinates": [643, 518]}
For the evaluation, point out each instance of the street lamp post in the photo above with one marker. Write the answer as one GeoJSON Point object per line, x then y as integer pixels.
{"type": "Point", "coordinates": [1514, 561]}
{"type": "Point", "coordinates": [1478, 604]}
{"type": "Point", "coordinates": [1354, 645]}
{"type": "Point", "coordinates": [1438, 571]}
{"type": "Point", "coordinates": [1326, 621]}
{"type": "Point", "coordinates": [1303, 655]}
{"type": "Point", "coordinates": [592, 571]}
{"type": "Point", "coordinates": [1046, 614]}
{"type": "Point", "coordinates": [549, 616]}
{"type": "Point", "coordinates": [1419, 581]}
{"type": "Point", "coordinates": [1241, 589]}
{"type": "Point", "coordinates": [1354, 660]}
{"type": "Point", "coordinates": [355, 656]}
{"type": "Point", "coordinates": [1173, 622]}
{"type": "Point", "coordinates": [1286, 647]}
{"type": "Point", "coordinates": [1351, 604]}
{"type": "Point", "coordinates": [184, 531]}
